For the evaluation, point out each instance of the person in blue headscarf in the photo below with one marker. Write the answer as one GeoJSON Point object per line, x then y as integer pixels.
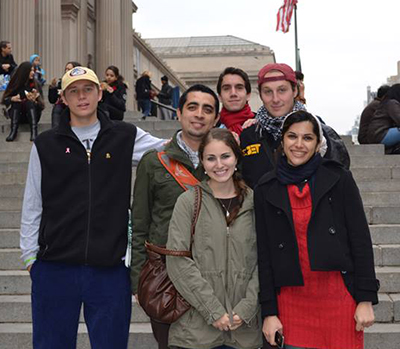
{"type": "Point", "coordinates": [39, 71]}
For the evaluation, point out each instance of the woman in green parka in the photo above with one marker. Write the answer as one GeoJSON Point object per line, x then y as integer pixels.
{"type": "Point", "coordinates": [220, 281]}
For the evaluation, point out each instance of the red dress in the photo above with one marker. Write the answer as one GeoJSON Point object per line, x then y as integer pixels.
{"type": "Point", "coordinates": [319, 314]}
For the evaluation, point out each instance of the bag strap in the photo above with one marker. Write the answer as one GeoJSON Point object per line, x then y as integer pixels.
{"type": "Point", "coordinates": [197, 206]}
{"type": "Point", "coordinates": [166, 252]}
{"type": "Point", "coordinates": [180, 173]}
{"type": "Point", "coordinates": [196, 212]}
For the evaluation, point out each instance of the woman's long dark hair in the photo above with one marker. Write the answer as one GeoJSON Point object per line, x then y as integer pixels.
{"type": "Point", "coordinates": [224, 135]}
{"type": "Point", "coordinates": [19, 80]}
{"type": "Point", "coordinates": [115, 70]}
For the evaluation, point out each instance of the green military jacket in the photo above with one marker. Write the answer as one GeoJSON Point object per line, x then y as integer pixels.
{"type": "Point", "coordinates": [154, 197]}
{"type": "Point", "coordinates": [222, 276]}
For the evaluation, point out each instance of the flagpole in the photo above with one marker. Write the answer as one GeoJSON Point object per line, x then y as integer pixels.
{"type": "Point", "coordinates": [298, 67]}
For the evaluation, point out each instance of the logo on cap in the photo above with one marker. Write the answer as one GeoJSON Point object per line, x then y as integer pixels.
{"type": "Point", "coordinates": [77, 71]}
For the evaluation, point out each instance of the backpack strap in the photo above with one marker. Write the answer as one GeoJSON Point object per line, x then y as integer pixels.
{"type": "Point", "coordinates": [180, 173]}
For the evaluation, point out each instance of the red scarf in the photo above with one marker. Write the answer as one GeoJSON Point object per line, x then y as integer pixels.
{"type": "Point", "coordinates": [234, 120]}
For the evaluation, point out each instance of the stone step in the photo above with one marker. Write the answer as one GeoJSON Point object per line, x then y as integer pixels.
{"type": "Point", "coordinates": [7, 167]}
{"type": "Point", "coordinates": [366, 174]}
{"type": "Point", "coordinates": [10, 219]}
{"type": "Point", "coordinates": [17, 309]}
{"type": "Point", "coordinates": [15, 147]}
{"type": "Point", "coordinates": [375, 161]}
{"type": "Point", "coordinates": [11, 191]}
{"type": "Point", "coordinates": [13, 282]}
{"type": "Point", "coordinates": [375, 215]}
{"type": "Point", "coordinates": [381, 199]}
{"type": "Point", "coordinates": [19, 336]}
{"type": "Point", "coordinates": [13, 178]}
{"type": "Point", "coordinates": [9, 238]}
{"type": "Point", "coordinates": [388, 308]}
{"type": "Point", "coordinates": [379, 185]}
{"type": "Point", "coordinates": [385, 255]}
{"type": "Point", "coordinates": [366, 150]}
{"type": "Point", "coordinates": [386, 240]}
{"type": "Point", "coordinates": [383, 215]}
{"type": "Point", "coordinates": [389, 278]}
{"type": "Point", "coordinates": [382, 234]}
{"type": "Point", "coordinates": [16, 190]}
{"type": "Point", "coordinates": [381, 336]}
{"type": "Point", "coordinates": [10, 204]}
{"type": "Point", "coordinates": [23, 137]}
{"type": "Point", "coordinates": [12, 157]}
{"type": "Point", "coordinates": [146, 125]}
{"type": "Point", "coordinates": [10, 259]}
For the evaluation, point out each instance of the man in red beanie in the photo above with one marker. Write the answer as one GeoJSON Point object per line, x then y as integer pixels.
{"type": "Point", "coordinates": [234, 91]}
{"type": "Point", "coordinates": [278, 90]}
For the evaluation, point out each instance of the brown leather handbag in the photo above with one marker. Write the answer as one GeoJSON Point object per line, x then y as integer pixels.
{"type": "Point", "coordinates": [157, 294]}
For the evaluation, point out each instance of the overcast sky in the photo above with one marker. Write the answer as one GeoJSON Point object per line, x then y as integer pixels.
{"type": "Point", "coordinates": [345, 45]}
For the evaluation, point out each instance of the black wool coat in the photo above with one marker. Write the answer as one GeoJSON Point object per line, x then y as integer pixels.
{"type": "Point", "coordinates": [338, 236]}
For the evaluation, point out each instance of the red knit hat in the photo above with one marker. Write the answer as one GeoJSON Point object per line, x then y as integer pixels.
{"type": "Point", "coordinates": [288, 73]}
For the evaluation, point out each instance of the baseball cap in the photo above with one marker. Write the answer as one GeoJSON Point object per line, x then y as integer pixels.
{"type": "Point", "coordinates": [288, 73]}
{"type": "Point", "coordinates": [76, 74]}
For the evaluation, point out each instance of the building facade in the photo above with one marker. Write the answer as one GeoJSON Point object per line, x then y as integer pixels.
{"type": "Point", "coordinates": [202, 59]}
{"type": "Point", "coordinates": [395, 79]}
{"type": "Point", "coordinates": [96, 33]}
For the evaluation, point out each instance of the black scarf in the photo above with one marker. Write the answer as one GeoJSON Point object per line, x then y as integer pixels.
{"type": "Point", "coordinates": [288, 174]}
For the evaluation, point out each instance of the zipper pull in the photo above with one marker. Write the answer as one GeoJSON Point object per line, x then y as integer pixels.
{"type": "Point", "coordinates": [88, 152]}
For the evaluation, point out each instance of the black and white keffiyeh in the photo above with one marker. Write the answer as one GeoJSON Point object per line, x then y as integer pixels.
{"type": "Point", "coordinates": [273, 125]}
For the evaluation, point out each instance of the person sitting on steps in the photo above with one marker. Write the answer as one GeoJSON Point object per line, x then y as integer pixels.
{"type": "Point", "coordinates": [24, 95]}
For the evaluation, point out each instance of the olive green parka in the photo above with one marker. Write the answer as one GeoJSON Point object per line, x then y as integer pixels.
{"type": "Point", "coordinates": [221, 278]}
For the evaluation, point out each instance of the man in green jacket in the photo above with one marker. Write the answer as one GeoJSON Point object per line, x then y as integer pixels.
{"type": "Point", "coordinates": [156, 191]}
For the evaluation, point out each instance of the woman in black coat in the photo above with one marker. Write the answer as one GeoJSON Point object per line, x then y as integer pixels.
{"type": "Point", "coordinates": [315, 258]}
{"type": "Point", "coordinates": [114, 94]}
{"type": "Point", "coordinates": [25, 98]}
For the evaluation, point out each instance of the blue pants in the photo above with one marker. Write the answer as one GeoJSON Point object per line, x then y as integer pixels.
{"type": "Point", "coordinates": [392, 137]}
{"type": "Point", "coordinates": [145, 106]}
{"type": "Point", "coordinates": [58, 292]}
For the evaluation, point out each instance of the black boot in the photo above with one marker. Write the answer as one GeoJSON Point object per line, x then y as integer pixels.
{"type": "Point", "coordinates": [14, 125]}
{"type": "Point", "coordinates": [33, 123]}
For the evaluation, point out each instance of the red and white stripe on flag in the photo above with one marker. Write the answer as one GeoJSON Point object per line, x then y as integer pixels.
{"type": "Point", "coordinates": [285, 15]}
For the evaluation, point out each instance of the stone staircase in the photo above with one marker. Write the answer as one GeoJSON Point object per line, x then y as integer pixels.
{"type": "Point", "coordinates": [377, 175]}
{"type": "Point", "coordinates": [15, 284]}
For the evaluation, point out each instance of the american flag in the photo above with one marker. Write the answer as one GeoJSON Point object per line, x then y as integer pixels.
{"type": "Point", "coordinates": [285, 15]}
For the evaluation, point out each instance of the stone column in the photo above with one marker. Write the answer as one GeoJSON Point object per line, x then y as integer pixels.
{"type": "Point", "coordinates": [69, 17]}
{"type": "Point", "coordinates": [49, 45]}
{"type": "Point", "coordinates": [17, 25]}
{"type": "Point", "coordinates": [82, 33]}
{"type": "Point", "coordinates": [126, 68]}
{"type": "Point", "coordinates": [108, 40]}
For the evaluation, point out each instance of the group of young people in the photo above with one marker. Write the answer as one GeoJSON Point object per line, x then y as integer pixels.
{"type": "Point", "coordinates": [24, 98]}
{"type": "Point", "coordinates": [292, 258]}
